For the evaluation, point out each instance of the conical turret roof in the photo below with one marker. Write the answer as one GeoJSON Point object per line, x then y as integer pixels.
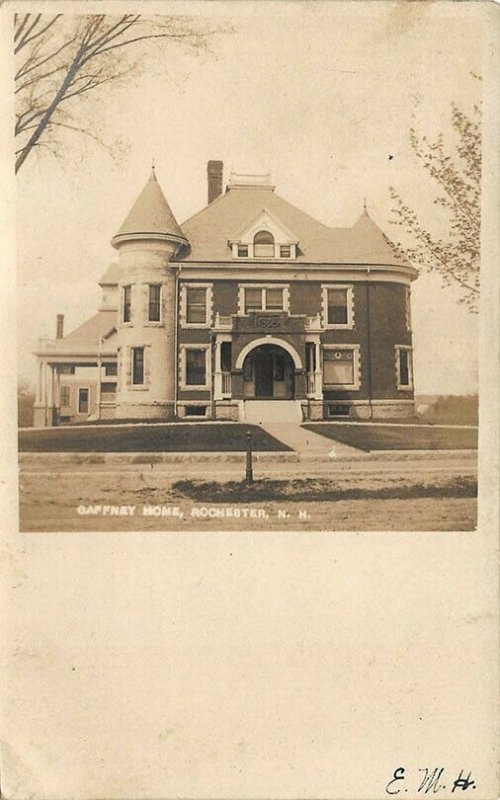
{"type": "Point", "coordinates": [150, 217]}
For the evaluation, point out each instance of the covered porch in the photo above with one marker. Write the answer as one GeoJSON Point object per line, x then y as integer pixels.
{"type": "Point", "coordinates": [75, 383]}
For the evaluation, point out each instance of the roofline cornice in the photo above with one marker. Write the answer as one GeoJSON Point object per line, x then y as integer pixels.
{"type": "Point", "coordinates": [169, 238]}
{"type": "Point", "coordinates": [286, 269]}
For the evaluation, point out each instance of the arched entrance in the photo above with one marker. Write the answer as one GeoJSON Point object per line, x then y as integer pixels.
{"type": "Point", "coordinates": [268, 373]}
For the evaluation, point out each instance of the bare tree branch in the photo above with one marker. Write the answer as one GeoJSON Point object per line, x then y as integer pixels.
{"type": "Point", "coordinates": [26, 39]}
{"type": "Point", "coordinates": [56, 52]}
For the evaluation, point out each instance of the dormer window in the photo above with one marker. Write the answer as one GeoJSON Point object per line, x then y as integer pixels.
{"type": "Point", "coordinates": [264, 238]}
{"type": "Point", "coordinates": [263, 245]}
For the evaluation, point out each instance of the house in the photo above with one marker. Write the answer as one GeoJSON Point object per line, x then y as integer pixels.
{"type": "Point", "coordinates": [249, 301]}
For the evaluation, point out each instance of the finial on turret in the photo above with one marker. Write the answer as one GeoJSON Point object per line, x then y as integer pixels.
{"type": "Point", "coordinates": [152, 177]}
{"type": "Point", "coordinates": [365, 207]}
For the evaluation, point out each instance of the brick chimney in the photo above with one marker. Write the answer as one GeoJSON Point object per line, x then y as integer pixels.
{"type": "Point", "coordinates": [214, 173]}
{"type": "Point", "coordinates": [60, 326]}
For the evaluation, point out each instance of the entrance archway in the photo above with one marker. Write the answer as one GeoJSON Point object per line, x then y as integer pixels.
{"type": "Point", "coordinates": [268, 373]}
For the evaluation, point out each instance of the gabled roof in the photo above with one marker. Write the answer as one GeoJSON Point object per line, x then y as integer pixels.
{"type": "Point", "coordinates": [150, 214]}
{"type": "Point", "coordinates": [97, 327]}
{"type": "Point", "coordinates": [209, 231]}
{"type": "Point", "coordinates": [264, 218]}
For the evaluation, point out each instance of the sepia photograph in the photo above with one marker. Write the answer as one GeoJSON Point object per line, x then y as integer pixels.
{"type": "Point", "coordinates": [249, 441]}
{"type": "Point", "coordinates": [248, 265]}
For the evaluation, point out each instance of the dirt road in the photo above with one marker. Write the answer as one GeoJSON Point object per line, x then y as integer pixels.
{"type": "Point", "coordinates": [141, 497]}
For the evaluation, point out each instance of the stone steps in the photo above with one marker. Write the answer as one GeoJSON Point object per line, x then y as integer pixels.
{"type": "Point", "coordinates": [258, 412]}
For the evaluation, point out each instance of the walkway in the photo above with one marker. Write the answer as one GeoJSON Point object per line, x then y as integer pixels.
{"type": "Point", "coordinates": [310, 446]}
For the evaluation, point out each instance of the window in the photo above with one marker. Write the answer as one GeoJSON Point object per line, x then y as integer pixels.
{"type": "Point", "coordinates": [196, 305]}
{"type": "Point", "coordinates": [341, 366]}
{"type": "Point", "coordinates": [263, 245]}
{"type": "Point", "coordinates": [285, 251]}
{"type": "Point", "coordinates": [196, 411]}
{"type": "Point", "coordinates": [65, 396]}
{"type": "Point", "coordinates": [338, 306]}
{"type": "Point", "coordinates": [242, 251]}
{"type": "Point", "coordinates": [263, 299]}
{"type": "Point", "coordinates": [154, 305]}
{"type": "Point", "coordinates": [404, 368]}
{"type": "Point", "coordinates": [338, 410]}
{"type": "Point", "coordinates": [253, 300]}
{"type": "Point", "coordinates": [111, 369]}
{"type": "Point", "coordinates": [83, 401]}
{"type": "Point", "coordinates": [108, 388]}
{"type": "Point", "coordinates": [196, 370]}
{"type": "Point", "coordinates": [127, 303]}
{"type": "Point", "coordinates": [310, 357]}
{"type": "Point", "coordinates": [225, 356]}
{"type": "Point", "coordinates": [273, 299]}
{"type": "Point", "coordinates": [137, 366]}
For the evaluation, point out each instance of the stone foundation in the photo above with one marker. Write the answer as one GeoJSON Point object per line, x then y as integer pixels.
{"type": "Point", "coordinates": [377, 410]}
{"type": "Point", "coordinates": [160, 411]}
{"type": "Point", "coordinates": [314, 410]}
{"type": "Point", "coordinates": [404, 410]}
{"type": "Point", "coordinates": [226, 411]}
{"type": "Point", "coordinates": [107, 412]}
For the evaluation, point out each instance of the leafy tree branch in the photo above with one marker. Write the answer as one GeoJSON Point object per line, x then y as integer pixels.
{"type": "Point", "coordinates": [456, 172]}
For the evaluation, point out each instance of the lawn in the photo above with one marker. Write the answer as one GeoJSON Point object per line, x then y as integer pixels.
{"type": "Point", "coordinates": [178, 438]}
{"type": "Point", "coordinates": [398, 436]}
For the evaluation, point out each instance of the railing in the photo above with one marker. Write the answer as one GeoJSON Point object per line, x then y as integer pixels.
{"type": "Point", "coordinates": [223, 322]}
{"type": "Point", "coordinates": [222, 385]}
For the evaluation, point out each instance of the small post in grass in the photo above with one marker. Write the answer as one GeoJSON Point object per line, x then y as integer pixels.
{"type": "Point", "coordinates": [249, 470]}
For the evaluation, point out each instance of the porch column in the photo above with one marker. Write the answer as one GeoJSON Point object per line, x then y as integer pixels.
{"type": "Point", "coordinates": [237, 383]}
{"type": "Point", "coordinates": [300, 384]}
{"type": "Point", "coordinates": [98, 388]}
{"type": "Point", "coordinates": [39, 384]}
{"type": "Point", "coordinates": [50, 394]}
{"type": "Point", "coordinates": [40, 405]}
{"type": "Point", "coordinates": [57, 395]}
{"type": "Point", "coordinates": [318, 373]}
{"type": "Point", "coordinates": [217, 371]}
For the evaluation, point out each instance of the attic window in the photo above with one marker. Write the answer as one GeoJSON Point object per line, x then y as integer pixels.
{"type": "Point", "coordinates": [242, 251]}
{"type": "Point", "coordinates": [285, 251]}
{"type": "Point", "coordinates": [263, 245]}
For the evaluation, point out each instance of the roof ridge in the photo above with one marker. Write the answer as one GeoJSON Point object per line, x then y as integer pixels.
{"type": "Point", "coordinates": [201, 210]}
{"type": "Point", "coordinates": [301, 211]}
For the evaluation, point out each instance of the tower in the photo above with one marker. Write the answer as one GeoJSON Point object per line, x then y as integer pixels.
{"type": "Point", "coordinates": [147, 242]}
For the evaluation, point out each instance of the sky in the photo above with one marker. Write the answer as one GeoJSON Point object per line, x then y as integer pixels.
{"type": "Point", "coordinates": [318, 94]}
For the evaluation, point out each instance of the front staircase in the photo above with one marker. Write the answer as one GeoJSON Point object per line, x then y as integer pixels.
{"type": "Point", "coordinates": [258, 412]}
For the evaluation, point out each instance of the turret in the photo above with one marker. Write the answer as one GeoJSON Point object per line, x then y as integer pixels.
{"type": "Point", "coordinates": [147, 241]}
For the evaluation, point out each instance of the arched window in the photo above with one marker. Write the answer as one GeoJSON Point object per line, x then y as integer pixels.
{"type": "Point", "coordinates": [263, 245]}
